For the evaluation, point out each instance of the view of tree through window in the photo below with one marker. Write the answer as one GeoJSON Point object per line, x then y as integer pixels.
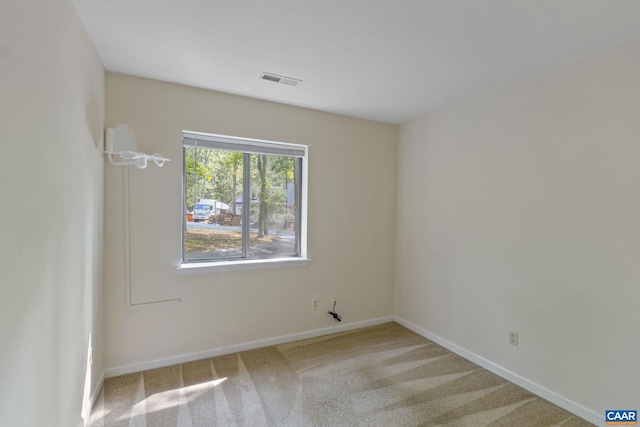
{"type": "Point", "coordinates": [242, 201]}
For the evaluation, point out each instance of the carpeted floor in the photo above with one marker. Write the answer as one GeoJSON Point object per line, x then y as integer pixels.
{"type": "Point", "coordinates": [384, 375]}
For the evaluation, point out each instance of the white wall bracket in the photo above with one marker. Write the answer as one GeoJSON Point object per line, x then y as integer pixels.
{"type": "Point", "coordinates": [128, 157]}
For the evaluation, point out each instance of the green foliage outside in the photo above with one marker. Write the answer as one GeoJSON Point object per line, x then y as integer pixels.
{"type": "Point", "coordinates": [218, 174]}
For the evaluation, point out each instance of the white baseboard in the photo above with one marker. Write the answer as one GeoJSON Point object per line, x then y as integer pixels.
{"type": "Point", "coordinates": [184, 358]}
{"type": "Point", "coordinates": [93, 397]}
{"type": "Point", "coordinates": [525, 383]}
{"type": "Point", "coordinates": [96, 391]}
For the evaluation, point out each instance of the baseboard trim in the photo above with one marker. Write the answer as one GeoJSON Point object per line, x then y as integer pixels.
{"type": "Point", "coordinates": [525, 383]}
{"type": "Point", "coordinates": [184, 358]}
{"type": "Point", "coordinates": [93, 398]}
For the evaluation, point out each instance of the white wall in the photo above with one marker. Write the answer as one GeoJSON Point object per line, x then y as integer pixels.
{"type": "Point", "coordinates": [521, 211]}
{"type": "Point", "coordinates": [51, 180]}
{"type": "Point", "coordinates": [351, 163]}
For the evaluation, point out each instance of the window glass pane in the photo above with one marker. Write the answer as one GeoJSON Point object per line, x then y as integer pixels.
{"type": "Point", "coordinates": [213, 186]}
{"type": "Point", "coordinates": [242, 204]}
{"type": "Point", "coordinates": [274, 232]}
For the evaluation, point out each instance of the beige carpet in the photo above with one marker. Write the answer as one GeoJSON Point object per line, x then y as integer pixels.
{"type": "Point", "coordinates": [384, 375]}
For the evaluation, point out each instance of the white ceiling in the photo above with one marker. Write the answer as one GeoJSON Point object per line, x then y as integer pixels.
{"type": "Point", "coordinates": [384, 60]}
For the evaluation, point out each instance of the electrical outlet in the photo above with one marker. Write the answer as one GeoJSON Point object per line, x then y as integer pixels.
{"type": "Point", "coordinates": [315, 304]}
{"type": "Point", "coordinates": [513, 338]}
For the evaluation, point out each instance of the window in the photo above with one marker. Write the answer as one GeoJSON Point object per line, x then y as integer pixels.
{"type": "Point", "coordinates": [244, 199]}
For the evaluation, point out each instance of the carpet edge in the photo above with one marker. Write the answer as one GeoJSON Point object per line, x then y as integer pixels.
{"type": "Point", "coordinates": [505, 373]}
{"type": "Point", "coordinates": [265, 342]}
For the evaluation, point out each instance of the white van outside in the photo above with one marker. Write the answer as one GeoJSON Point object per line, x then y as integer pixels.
{"type": "Point", "coordinates": [207, 207]}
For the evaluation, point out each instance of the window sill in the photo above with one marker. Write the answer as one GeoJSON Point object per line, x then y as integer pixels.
{"type": "Point", "coordinates": [254, 264]}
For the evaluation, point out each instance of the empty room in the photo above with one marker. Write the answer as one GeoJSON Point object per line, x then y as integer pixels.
{"type": "Point", "coordinates": [294, 213]}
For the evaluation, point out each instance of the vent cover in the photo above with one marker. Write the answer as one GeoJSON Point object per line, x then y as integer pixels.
{"type": "Point", "coordinates": [280, 79]}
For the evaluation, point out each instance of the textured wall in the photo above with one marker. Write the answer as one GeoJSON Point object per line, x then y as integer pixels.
{"type": "Point", "coordinates": [51, 182]}
{"type": "Point", "coordinates": [351, 226]}
{"type": "Point", "coordinates": [520, 211]}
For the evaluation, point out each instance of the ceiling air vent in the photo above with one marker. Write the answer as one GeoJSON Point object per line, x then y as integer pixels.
{"type": "Point", "coordinates": [280, 79]}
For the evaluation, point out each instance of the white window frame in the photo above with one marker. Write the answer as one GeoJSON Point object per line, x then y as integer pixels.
{"type": "Point", "coordinates": [252, 146]}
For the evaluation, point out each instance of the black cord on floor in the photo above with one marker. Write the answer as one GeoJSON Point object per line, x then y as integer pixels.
{"type": "Point", "coordinates": [335, 315]}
